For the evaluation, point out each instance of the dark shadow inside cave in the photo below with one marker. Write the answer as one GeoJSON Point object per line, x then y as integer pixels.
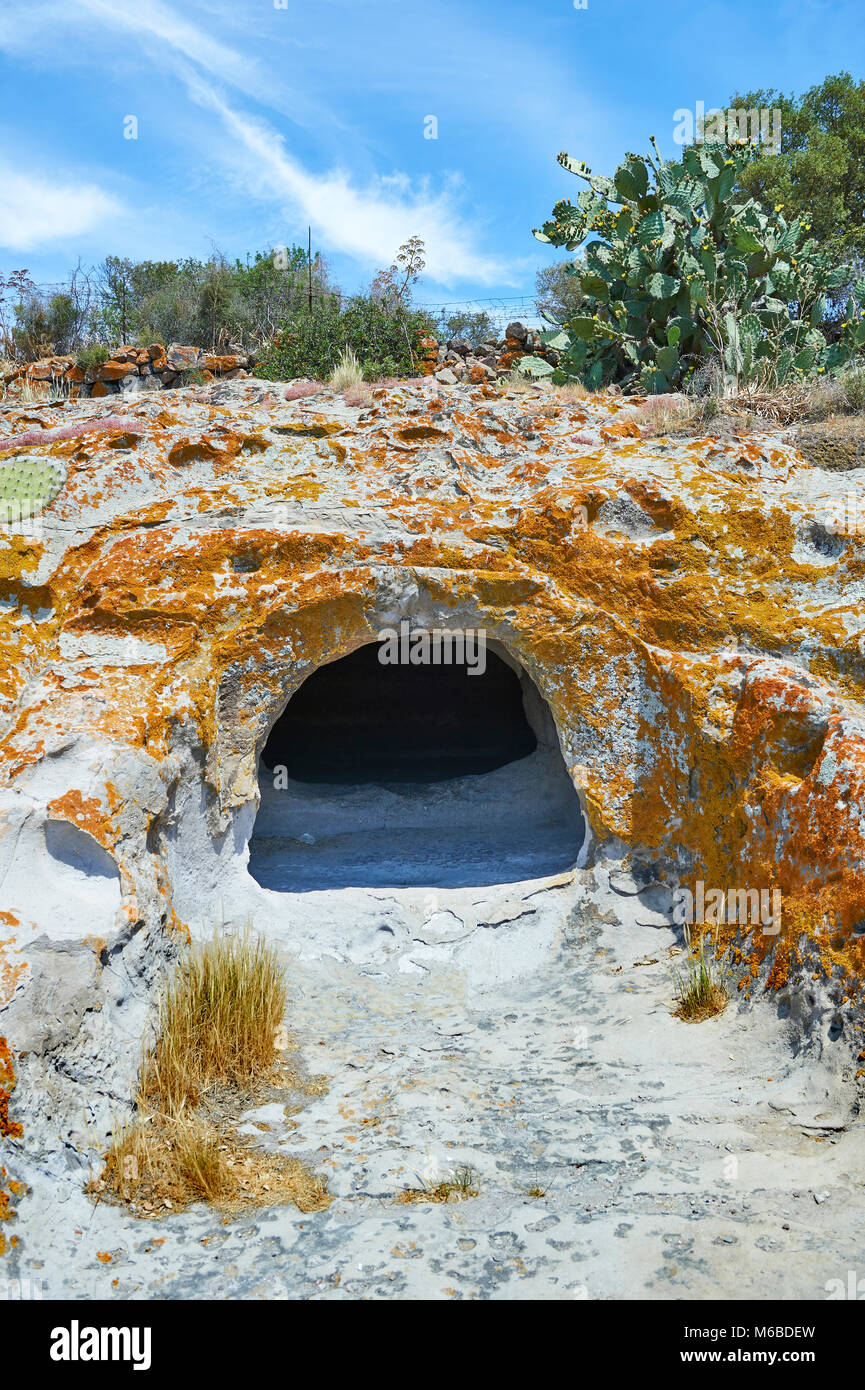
{"type": "Point", "coordinates": [357, 721]}
{"type": "Point", "coordinates": [410, 775]}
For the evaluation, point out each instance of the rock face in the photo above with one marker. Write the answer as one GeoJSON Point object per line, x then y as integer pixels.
{"type": "Point", "coordinates": [690, 614]}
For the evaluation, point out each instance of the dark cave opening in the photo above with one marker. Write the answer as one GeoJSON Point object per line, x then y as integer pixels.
{"type": "Point", "coordinates": [413, 775]}
{"type": "Point", "coordinates": [357, 720]}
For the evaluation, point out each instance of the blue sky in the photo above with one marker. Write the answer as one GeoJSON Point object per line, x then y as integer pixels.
{"type": "Point", "coordinates": [257, 117]}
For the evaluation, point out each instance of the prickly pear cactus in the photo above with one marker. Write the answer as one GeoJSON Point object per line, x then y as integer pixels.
{"type": "Point", "coordinates": [678, 274]}
{"type": "Point", "coordinates": [28, 483]}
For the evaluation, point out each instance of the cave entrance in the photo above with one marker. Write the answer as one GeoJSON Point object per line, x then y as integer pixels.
{"type": "Point", "coordinates": [410, 775]}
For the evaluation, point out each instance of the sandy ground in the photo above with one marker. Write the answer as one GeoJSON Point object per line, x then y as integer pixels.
{"type": "Point", "coordinates": [671, 1160]}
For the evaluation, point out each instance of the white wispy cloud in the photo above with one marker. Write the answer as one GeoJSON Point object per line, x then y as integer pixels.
{"type": "Point", "coordinates": [158, 25]}
{"type": "Point", "coordinates": [35, 210]}
{"type": "Point", "coordinates": [366, 223]}
{"type": "Point", "coordinates": [365, 220]}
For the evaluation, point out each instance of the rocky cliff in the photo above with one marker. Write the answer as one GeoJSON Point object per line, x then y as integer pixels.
{"type": "Point", "coordinates": [690, 611]}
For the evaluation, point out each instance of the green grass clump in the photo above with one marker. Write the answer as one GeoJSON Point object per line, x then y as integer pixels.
{"type": "Point", "coordinates": [699, 991]}
{"type": "Point", "coordinates": [463, 1183]}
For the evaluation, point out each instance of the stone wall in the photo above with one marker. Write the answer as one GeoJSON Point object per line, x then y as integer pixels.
{"type": "Point", "coordinates": [460, 360]}
{"type": "Point", "coordinates": [128, 371]}
{"type": "Point", "coordinates": [131, 370]}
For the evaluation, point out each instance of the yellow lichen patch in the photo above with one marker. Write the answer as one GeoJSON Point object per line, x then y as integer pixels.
{"type": "Point", "coordinates": [420, 434]}
{"type": "Point", "coordinates": [313, 427]}
{"type": "Point", "coordinates": [622, 429]}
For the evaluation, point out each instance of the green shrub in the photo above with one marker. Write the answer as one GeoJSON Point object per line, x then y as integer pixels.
{"type": "Point", "coordinates": [89, 358]}
{"type": "Point", "coordinates": [389, 366]}
{"type": "Point", "coordinates": [681, 274]}
{"type": "Point", "coordinates": [820, 170]}
{"type": "Point", "coordinates": [383, 337]}
{"type": "Point", "coordinates": [208, 303]}
{"type": "Point", "coordinates": [44, 325]}
{"type": "Point", "coordinates": [557, 290]}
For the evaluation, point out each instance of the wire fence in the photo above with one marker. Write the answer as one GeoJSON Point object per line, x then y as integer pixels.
{"type": "Point", "coordinates": [499, 309]}
{"type": "Point", "coordinates": [93, 312]}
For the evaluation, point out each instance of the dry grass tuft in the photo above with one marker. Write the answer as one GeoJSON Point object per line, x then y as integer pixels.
{"type": "Point", "coordinates": [571, 391]}
{"type": "Point", "coordinates": [358, 395]}
{"type": "Point", "coordinates": [516, 381]}
{"type": "Point", "coordinates": [662, 415]}
{"type": "Point", "coordinates": [347, 373]}
{"type": "Point", "coordinates": [220, 1022]}
{"type": "Point", "coordinates": [217, 1022]}
{"type": "Point", "coordinates": [36, 393]}
{"type": "Point", "coordinates": [463, 1184]}
{"type": "Point", "coordinates": [166, 1165]}
{"type": "Point", "coordinates": [539, 1189]}
{"type": "Point", "coordinates": [157, 1162]}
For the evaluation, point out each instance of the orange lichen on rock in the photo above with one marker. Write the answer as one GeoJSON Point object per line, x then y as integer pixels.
{"type": "Point", "coordinates": [9, 1129]}
{"type": "Point", "coordinates": [12, 972]}
{"type": "Point", "coordinates": [87, 813]}
{"type": "Point", "coordinates": [684, 608]}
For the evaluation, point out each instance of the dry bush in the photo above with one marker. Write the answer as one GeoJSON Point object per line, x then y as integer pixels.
{"type": "Point", "coordinates": [817, 399]}
{"type": "Point", "coordinates": [660, 415]}
{"type": "Point", "coordinates": [824, 398]}
{"type": "Point", "coordinates": [784, 405]}
{"type": "Point", "coordinates": [853, 383]}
